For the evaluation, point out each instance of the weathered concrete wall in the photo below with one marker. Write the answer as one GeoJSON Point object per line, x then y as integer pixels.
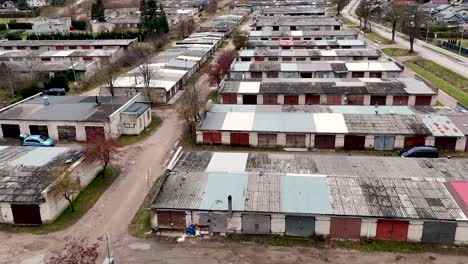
{"type": "Point", "coordinates": [415, 230]}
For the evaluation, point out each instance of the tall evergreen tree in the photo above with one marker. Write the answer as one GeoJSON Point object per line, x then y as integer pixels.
{"type": "Point", "coordinates": [97, 11]}
{"type": "Point", "coordinates": [143, 13]}
{"type": "Point", "coordinates": [163, 20]}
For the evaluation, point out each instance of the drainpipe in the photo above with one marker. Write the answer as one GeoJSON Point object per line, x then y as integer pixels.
{"type": "Point", "coordinates": [230, 206]}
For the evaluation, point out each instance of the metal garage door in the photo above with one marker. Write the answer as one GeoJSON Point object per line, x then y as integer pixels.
{"type": "Point", "coordinates": [345, 228]}
{"type": "Point", "coordinates": [39, 130]}
{"type": "Point", "coordinates": [423, 100]}
{"type": "Point", "coordinates": [414, 141]}
{"type": "Point", "coordinates": [249, 99]}
{"type": "Point", "coordinates": [171, 219]}
{"type": "Point", "coordinates": [354, 142]}
{"type": "Point", "coordinates": [267, 140]}
{"type": "Point", "coordinates": [269, 99]}
{"type": "Point", "coordinates": [392, 230]}
{"type": "Point", "coordinates": [300, 226]}
{"type": "Point", "coordinates": [295, 141]}
{"type": "Point", "coordinates": [324, 141]}
{"type": "Point", "coordinates": [400, 100]}
{"type": "Point", "coordinates": [334, 99]}
{"type": "Point", "coordinates": [384, 142]}
{"type": "Point", "coordinates": [312, 99]}
{"type": "Point", "coordinates": [93, 133]}
{"type": "Point", "coordinates": [439, 232]}
{"type": "Point", "coordinates": [229, 99]}
{"type": "Point", "coordinates": [291, 100]}
{"type": "Point", "coordinates": [217, 222]}
{"type": "Point", "coordinates": [239, 139]}
{"type": "Point", "coordinates": [355, 99]}
{"type": "Point", "coordinates": [445, 143]}
{"type": "Point", "coordinates": [256, 224]}
{"type": "Point", "coordinates": [66, 133]}
{"type": "Point", "coordinates": [10, 131]}
{"type": "Point", "coordinates": [26, 214]}
{"type": "Point", "coordinates": [378, 100]}
{"type": "Point", "coordinates": [211, 138]}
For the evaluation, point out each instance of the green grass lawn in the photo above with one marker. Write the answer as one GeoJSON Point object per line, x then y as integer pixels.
{"type": "Point", "coordinates": [131, 139]}
{"type": "Point", "coordinates": [224, 44]}
{"type": "Point", "coordinates": [448, 81]}
{"type": "Point", "coordinates": [346, 21]}
{"type": "Point", "coordinates": [141, 222]}
{"type": "Point", "coordinates": [85, 200]}
{"type": "Point", "coordinates": [396, 52]}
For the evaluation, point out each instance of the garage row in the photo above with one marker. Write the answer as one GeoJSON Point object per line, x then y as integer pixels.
{"type": "Point", "coordinates": [347, 142]}
{"type": "Point", "coordinates": [443, 232]}
{"type": "Point", "coordinates": [61, 132]}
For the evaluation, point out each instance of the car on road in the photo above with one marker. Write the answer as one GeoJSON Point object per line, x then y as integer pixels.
{"type": "Point", "coordinates": [55, 91]}
{"type": "Point", "coordinates": [419, 152]}
{"type": "Point", "coordinates": [36, 141]}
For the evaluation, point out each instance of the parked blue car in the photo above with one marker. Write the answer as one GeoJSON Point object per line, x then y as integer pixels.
{"type": "Point", "coordinates": [36, 141]}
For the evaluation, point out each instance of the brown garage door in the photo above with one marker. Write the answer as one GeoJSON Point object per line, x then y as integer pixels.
{"type": "Point", "coordinates": [249, 99]}
{"type": "Point", "coordinates": [354, 142]}
{"type": "Point", "coordinates": [39, 130]}
{"type": "Point", "coordinates": [325, 141]}
{"type": "Point", "coordinates": [26, 214]}
{"type": "Point", "coordinates": [423, 100]}
{"type": "Point", "coordinates": [171, 219]}
{"type": "Point", "coordinates": [211, 138]}
{"type": "Point", "coordinates": [269, 99]}
{"type": "Point", "coordinates": [312, 99]}
{"type": "Point", "coordinates": [239, 139]}
{"type": "Point", "coordinates": [345, 228]}
{"type": "Point", "coordinates": [291, 100]}
{"type": "Point", "coordinates": [355, 99]}
{"type": "Point", "coordinates": [295, 140]}
{"type": "Point", "coordinates": [378, 100]}
{"type": "Point", "coordinates": [94, 133]}
{"type": "Point", "coordinates": [445, 143]}
{"type": "Point", "coordinates": [229, 99]}
{"type": "Point", "coordinates": [267, 140]}
{"type": "Point", "coordinates": [66, 133]}
{"type": "Point", "coordinates": [400, 100]}
{"type": "Point", "coordinates": [334, 99]}
{"type": "Point", "coordinates": [414, 141]}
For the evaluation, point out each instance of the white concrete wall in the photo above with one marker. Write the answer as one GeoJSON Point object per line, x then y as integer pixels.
{"type": "Point", "coordinates": [399, 142]}
{"type": "Point", "coordinates": [199, 136]}
{"type": "Point", "coordinates": [278, 224]}
{"type": "Point", "coordinates": [280, 99]}
{"type": "Point", "coordinates": [253, 139]}
{"type": "Point", "coordinates": [260, 99]}
{"type": "Point", "coordinates": [369, 143]}
{"type": "Point", "coordinates": [461, 143]}
{"type": "Point", "coordinates": [411, 100]}
{"type": "Point", "coordinates": [225, 138]}
{"type": "Point", "coordinates": [368, 228]}
{"type": "Point", "coordinates": [389, 100]}
{"type": "Point", "coordinates": [430, 141]}
{"type": "Point", "coordinates": [322, 225]}
{"type": "Point", "coordinates": [54, 205]}
{"type": "Point", "coordinates": [339, 141]}
{"type": "Point", "coordinates": [6, 213]}
{"type": "Point", "coordinates": [461, 235]}
{"type": "Point", "coordinates": [235, 223]}
{"type": "Point", "coordinates": [281, 139]}
{"type": "Point", "coordinates": [154, 220]}
{"type": "Point", "coordinates": [367, 99]}
{"type": "Point", "coordinates": [415, 230]}
{"type": "Point", "coordinates": [301, 99]}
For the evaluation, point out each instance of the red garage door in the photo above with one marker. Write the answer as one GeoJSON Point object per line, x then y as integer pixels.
{"type": "Point", "coordinates": [334, 99]}
{"type": "Point", "coordinates": [324, 141]}
{"type": "Point", "coordinates": [171, 219]}
{"type": "Point", "coordinates": [295, 141]}
{"type": "Point", "coordinates": [423, 100]}
{"type": "Point", "coordinates": [94, 133]}
{"type": "Point", "coordinates": [392, 230]}
{"type": "Point", "coordinates": [355, 99]}
{"type": "Point", "coordinates": [211, 138]}
{"type": "Point", "coordinates": [229, 99]}
{"type": "Point", "coordinates": [345, 228]}
{"type": "Point", "coordinates": [270, 99]}
{"type": "Point", "coordinates": [445, 143]}
{"type": "Point", "coordinates": [239, 139]}
{"type": "Point", "coordinates": [267, 140]}
{"type": "Point", "coordinates": [414, 141]}
{"type": "Point", "coordinates": [354, 142]}
{"type": "Point", "coordinates": [291, 100]}
{"type": "Point", "coordinates": [400, 100]}
{"type": "Point", "coordinates": [312, 99]}
{"type": "Point", "coordinates": [378, 100]}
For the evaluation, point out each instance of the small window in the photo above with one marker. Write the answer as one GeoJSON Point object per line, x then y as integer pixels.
{"type": "Point", "coordinates": [245, 59]}
{"type": "Point", "coordinates": [71, 47]}
{"type": "Point", "coordinates": [263, 38]}
{"type": "Point", "coordinates": [98, 47]}
{"type": "Point", "coordinates": [292, 28]}
{"type": "Point", "coordinates": [275, 28]}
{"type": "Point", "coordinates": [256, 75]}
{"type": "Point", "coordinates": [307, 38]}
{"type": "Point", "coordinates": [273, 59]}
{"type": "Point", "coordinates": [129, 124]}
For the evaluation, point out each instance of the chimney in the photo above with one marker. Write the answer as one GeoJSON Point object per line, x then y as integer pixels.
{"type": "Point", "coordinates": [229, 206]}
{"type": "Point", "coordinates": [98, 103]}
{"type": "Point", "coordinates": [45, 100]}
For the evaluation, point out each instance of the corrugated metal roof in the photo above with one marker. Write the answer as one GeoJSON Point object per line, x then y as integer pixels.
{"type": "Point", "coordinates": [238, 121]}
{"type": "Point", "coordinates": [460, 121]}
{"type": "Point", "coordinates": [227, 162]}
{"type": "Point", "coordinates": [364, 109]}
{"type": "Point", "coordinates": [284, 122]}
{"type": "Point", "coordinates": [305, 194]}
{"type": "Point", "coordinates": [441, 126]}
{"type": "Point", "coordinates": [38, 156]}
{"type": "Point", "coordinates": [330, 123]}
{"type": "Point", "coordinates": [219, 186]}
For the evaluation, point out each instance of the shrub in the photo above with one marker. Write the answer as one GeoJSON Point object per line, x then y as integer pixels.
{"type": "Point", "coordinates": [30, 90]}
{"type": "Point", "coordinates": [3, 27]}
{"type": "Point", "coordinates": [58, 81]}
{"type": "Point", "coordinates": [13, 36]}
{"type": "Point", "coordinates": [17, 25]}
{"type": "Point", "coordinates": [79, 25]}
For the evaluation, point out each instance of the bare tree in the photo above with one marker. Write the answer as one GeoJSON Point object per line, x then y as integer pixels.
{"type": "Point", "coordinates": [363, 12]}
{"type": "Point", "coordinates": [189, 109]}
{"type": "Point", "coordinates": [185, 27]}
{"type": "Point", "coordinates": [239, 40]}
{"type": "Point", "coordinates": [78, 251]}
{"type": "Point", "coordinates": [413, 17]}
{"type": "Point", "coordinates": [393, 14]}
{"type": "Point", "coordinates": [212, 7]}
{"type": "Point", "coordinates": [67, 186]}
{"type": "Point", "coordinates": [6, 74]}
{"type": "Point", "coordinates": [101, 148]}
{"type": "Point", "coordinates": [340, 4]}
{"type": "Point", "coordinates": [108, 76]}
{"type": "Point", "coordinates": [146, 74]}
